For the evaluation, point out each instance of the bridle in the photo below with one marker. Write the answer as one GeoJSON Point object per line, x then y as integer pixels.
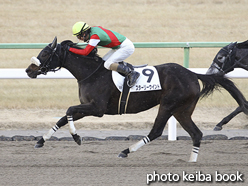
{"type": "Point", "coordinates": [230, 59]}
{"type": "Point", "coordinates": [46, 65]}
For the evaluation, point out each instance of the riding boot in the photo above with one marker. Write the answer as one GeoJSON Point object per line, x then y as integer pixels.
{"type": "Point", "coordinates": [131, 74]}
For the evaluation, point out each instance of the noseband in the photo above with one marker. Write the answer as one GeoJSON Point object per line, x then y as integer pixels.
{"type": "Point", "coordinates": [228, 60]}
{"type": "Point", "coordinates": [46, 66]}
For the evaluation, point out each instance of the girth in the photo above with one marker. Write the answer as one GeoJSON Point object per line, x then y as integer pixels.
{"type": "Point", "coordinates": [124, 96]}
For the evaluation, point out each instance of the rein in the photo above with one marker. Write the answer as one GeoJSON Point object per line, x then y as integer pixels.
{"type": "Point", "coordinates": [46, 65]}
{"type": "Point", "coordinates": [93, 71]}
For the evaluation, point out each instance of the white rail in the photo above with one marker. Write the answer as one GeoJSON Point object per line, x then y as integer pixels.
{"type": "Point", "coordinates": [19, 73]}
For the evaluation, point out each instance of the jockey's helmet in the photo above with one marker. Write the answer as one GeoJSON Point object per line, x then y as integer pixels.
{"type": "Point", "coordinates": [79, 27]}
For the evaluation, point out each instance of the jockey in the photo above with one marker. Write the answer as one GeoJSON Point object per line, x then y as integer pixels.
{"type": "Point", "coordinates": [121, 48]}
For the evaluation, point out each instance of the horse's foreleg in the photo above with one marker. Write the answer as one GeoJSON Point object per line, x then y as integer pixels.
{"type": "Point", "coordinates": [224, 121]}
{"type": "Point", "coordinates": [63, 121]}
{"type": "Point", "coordinates": [87, 109]}
{"type": "Point", "coordinates": [45, 137]}
{"type": "Point", "coordinates": [60, 123]}
{"type": "Point", "coordinates": [75, 136]}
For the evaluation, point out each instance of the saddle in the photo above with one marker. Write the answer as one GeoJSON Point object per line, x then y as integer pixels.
{"type": "Point", "coordinates": [125, 91]}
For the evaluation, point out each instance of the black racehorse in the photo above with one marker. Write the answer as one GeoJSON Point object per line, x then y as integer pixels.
{"type": "Point", "coordinates": [98, 94]}
{"type": "Point", "coordinates": [234, 55]}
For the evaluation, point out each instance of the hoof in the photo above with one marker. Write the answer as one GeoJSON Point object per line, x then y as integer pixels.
{"type": "Point", "coordinates": [39, 145]}
{"type": "Point", "coordinates": [190, 161]}
{"type": "Point", "coordinates": [77, 139]}
{"type": "Point", "coordinates": [217, 128]}
{"type": "Point", "coordinates": [122, 155]}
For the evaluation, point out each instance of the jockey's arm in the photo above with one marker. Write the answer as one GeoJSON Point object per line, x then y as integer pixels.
{"type": "Point", "coordinates": [94, 40]}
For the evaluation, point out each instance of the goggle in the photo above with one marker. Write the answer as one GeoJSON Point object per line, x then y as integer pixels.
{"type": "Point", "coordinates": [79, 36]}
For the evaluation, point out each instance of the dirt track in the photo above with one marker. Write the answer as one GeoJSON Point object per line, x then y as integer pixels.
{"type": "Point", "coordinates": [96, 163]}
{"type": "Point", "coordinates": [43, 119]}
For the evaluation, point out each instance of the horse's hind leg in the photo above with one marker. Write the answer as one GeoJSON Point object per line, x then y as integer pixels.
{"type": "Point", "coordinates": [157, 130]}
{"type": "Point", "coordinates": [63, 121]}
{"type": "Point", "coordinates": [186, 122]}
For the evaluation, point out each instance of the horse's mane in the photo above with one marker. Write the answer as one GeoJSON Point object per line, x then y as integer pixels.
{"type": "Point", "coordinates": [242, 45]}
{"type": "Point", "coordinates": [69, 43]}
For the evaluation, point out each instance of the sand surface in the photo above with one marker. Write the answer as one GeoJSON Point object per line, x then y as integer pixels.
{"type": "Point", "coordinates": [96, 163]}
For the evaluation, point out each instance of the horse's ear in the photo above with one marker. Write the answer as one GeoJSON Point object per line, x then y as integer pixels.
{"type": "Point", "coordinates": [232, 44]}
{"type": "Point", "coordinates": [54, 43]}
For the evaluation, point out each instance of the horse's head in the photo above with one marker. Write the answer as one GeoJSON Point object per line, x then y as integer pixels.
{"type": "Point", "coordinates": [224, 61]}
{"type": "Point", "coordinates": [47, 60]}
{"type": "Point", "coordinates": [53, 57]}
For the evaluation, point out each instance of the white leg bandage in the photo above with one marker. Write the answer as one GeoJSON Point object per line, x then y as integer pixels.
{"type": "Point", "coordinates": [71, 125]}
{"type": "Point", "coordinates": [139, 144]}
{"type": "Point", "coordinates": [194, 154]}
{"type": "Point", "coordinates": [50, 132]}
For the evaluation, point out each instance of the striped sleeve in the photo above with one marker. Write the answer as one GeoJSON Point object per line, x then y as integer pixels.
{"type": "Point", "coordinates": [83, 52]}
{"type": "Point", "coordinates": [94, 40]}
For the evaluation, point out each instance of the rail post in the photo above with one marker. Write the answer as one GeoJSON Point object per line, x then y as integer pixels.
{"type": "Point", "coordinates": [186, 57]}
{"type": "Point", "coordinates": [172, 129]}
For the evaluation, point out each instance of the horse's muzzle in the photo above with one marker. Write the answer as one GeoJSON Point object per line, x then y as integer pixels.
{"type": "Point", "coordinates": [212, 70]}
{"type": "Point", "coordinates": [33, 71]}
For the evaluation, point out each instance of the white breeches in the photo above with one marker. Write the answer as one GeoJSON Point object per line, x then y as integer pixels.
{"type": "Point", "coordinates": [120, 54]}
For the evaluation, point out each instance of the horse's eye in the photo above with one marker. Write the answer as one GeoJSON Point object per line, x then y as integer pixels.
{"type": "Point", "coordinates": [45, 54]}
{"type": "Point", "coordinates": [221, 59]}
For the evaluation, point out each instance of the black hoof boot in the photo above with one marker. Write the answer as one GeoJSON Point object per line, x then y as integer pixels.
{"type": "Point", "coordinates": [124, 154]}
{"type": "Point", "coordinates": [217, 128]}
{"type": "Point", "coordinates": [77, 138]}
{"type": "Point", "coordinates": [40, 143]}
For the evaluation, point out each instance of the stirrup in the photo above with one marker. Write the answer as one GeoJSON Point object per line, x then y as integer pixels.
{"type": "Point", "coordinates": [134, 79]}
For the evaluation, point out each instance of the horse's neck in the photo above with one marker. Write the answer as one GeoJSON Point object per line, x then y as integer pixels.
{"type": "Point", "coordinates": [243, 61]}
{"type": "Point", "coordinates": [80, 67]}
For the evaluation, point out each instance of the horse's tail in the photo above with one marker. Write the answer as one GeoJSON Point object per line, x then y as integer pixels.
{"type": "Point", "coordinates": [211, 82]}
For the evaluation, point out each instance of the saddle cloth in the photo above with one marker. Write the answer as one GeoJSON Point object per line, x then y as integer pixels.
{"type": "Point", "coordinates": [148, 80]}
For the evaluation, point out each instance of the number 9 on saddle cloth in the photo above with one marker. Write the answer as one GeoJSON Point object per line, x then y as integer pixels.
{"type": "Point", "coordinates": [148, 81]}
